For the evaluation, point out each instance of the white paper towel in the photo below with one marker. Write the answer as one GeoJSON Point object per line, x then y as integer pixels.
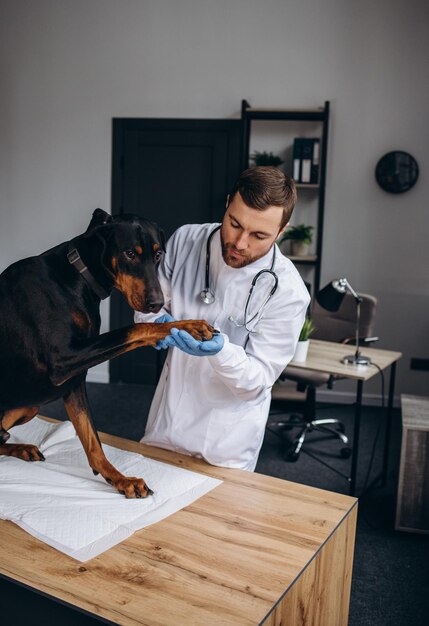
{"type": "Point", "coordinates": [62, 503]}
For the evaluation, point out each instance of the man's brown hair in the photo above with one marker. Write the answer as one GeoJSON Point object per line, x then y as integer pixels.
{"type": "Point", "coordinates": [263, 186]}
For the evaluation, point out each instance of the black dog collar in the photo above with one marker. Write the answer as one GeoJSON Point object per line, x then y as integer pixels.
{"type": "Point", "coordinates": [75, 260]}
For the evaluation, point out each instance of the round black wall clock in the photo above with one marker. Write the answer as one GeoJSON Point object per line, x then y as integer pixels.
{"type": "Point", "coordinates": [397, 171]}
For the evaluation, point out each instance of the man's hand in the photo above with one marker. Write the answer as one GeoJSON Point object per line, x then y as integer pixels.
{"type": "Point", "coordinates": [185, 342]}
{"type": "Point", "coordinates": [164, 344]}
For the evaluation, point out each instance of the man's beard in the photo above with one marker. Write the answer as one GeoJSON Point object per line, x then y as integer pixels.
{"type": "Point", "coordinates": [241, 261]}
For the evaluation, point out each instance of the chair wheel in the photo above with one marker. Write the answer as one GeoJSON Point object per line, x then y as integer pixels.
{"type": "Point", "coordinates": [341, 428]}
{"type": "Point", "coordinates": [346, 453]}
{"type": "Point", "coordinates": [292, 456]}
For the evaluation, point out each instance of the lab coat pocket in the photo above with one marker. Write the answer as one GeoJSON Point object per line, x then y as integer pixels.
{"type": "Point", "coordinates": [234, 437]}
{"type": "Point", "coordinates": [236, 334]}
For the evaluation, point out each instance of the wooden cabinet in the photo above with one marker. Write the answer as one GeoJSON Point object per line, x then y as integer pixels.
{"type": "Point", "coordinates": [412, 507]}
{"type": "Point", "coordinates": [274, 130]}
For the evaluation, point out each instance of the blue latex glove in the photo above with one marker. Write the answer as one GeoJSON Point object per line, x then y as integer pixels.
{"type": "Point", "coordinates": [164, 344]}
{"type": "Point", "coordinates": [185, 342]}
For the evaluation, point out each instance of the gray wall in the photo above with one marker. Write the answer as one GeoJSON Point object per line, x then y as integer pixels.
{"type": "Point", "coordinates": [68, 67]}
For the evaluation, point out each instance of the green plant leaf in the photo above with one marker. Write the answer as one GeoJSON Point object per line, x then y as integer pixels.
{"type": "Point", "coordinates": [298, 233]}
{"type": "Point", "coordinates": [307, 329]}
{"type": "Point", "coordinates": [266, 158]}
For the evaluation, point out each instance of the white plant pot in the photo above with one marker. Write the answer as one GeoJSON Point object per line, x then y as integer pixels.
{"type": "Point", "coordinates": [301, 351]}
{"type": "Point", "coordinates": [299, 248]}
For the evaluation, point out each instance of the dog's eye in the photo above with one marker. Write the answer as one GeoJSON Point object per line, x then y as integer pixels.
{"type": "Point", "coordinates": [158, 255]}
{"type": "Point", "coordinates": [130, 254]}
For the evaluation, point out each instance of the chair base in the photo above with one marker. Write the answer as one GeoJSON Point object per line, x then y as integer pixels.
{"type": "Point", "coordinates": [330, 426]}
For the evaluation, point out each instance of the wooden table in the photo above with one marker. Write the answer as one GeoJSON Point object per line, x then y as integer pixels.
{"type": "Point", "coordinates": [326, 356]}
{"type": "Point", "coordinates": [255, 550]}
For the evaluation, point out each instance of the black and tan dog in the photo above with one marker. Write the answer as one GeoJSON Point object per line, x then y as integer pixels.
{"type": "Point", "coordinates": [50, 323]}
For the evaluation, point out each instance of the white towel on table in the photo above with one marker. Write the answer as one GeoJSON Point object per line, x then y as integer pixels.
{"type": "Point", "coordinates": [62, 503]}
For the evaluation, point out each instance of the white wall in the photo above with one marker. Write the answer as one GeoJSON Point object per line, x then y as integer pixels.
{"type": "Point", "coordinates": [68, 67]}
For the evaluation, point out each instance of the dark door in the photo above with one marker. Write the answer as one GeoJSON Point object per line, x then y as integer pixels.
{"type": "Point", "coordinates": [173, 172]}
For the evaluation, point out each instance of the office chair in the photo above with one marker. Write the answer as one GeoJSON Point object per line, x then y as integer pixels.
{"type": "Point", "coordinates": [338, 326]}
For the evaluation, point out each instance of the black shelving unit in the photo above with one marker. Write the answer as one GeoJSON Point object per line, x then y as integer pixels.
{"type": "Point", "coordinates": [250, 114]}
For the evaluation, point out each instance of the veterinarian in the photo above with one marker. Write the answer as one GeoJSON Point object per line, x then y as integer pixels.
{"type": "Point", "coordinates": [213, 398]}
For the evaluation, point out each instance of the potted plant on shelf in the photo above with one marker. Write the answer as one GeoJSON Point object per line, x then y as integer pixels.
{"type": "Point", "coordinates": [303, 344]}
{"type": "Point", "coordinates": [300, 237]}
{"type": "Point", "coordinates": [266, 158]}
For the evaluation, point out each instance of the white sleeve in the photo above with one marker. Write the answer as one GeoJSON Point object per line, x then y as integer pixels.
{"type": "Point", "coordinates": [249, 373]}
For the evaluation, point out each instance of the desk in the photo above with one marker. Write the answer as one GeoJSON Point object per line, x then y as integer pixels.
{"type": "Point", "coordinates": [255, 550]}
{"type": "Point", "coordinates": [326, 356]}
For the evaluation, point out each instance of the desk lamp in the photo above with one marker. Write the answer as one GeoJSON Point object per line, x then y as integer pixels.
{"type": "Point", "coordinates": [330, 298]}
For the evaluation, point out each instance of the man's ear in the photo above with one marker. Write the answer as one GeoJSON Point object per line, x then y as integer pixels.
{"type": "Point", "coordinates": [282, 230]}
{"type": "Point", "coordinates": [99, 217]}
{"type": "Point", "coordinates": [227, 201]}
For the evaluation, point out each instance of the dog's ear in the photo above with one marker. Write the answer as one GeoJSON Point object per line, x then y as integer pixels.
{"type": "Point", "coordinates": [99, 217]}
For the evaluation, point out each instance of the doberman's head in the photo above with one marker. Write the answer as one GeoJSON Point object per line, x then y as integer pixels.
{"type": "Point", "coordinates": [131, 249]}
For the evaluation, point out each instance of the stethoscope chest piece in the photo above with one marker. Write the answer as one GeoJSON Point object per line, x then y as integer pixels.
{"type": "Point", "coordinates": [207, 296]}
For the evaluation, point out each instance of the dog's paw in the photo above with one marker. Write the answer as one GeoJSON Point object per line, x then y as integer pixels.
{"type": "Point", "coordinates": [198, 329]}
{"type": "Point", "coordinates": [132, 487]}
{"type": "Point", "coordinates": [24, 451]}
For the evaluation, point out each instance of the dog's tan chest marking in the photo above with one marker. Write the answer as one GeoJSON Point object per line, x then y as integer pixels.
{"type": "Point", "coordinates": [81, 320]}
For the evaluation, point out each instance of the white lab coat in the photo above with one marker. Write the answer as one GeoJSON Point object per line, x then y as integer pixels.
{"type": "Point", "coordinates": [216, 407]}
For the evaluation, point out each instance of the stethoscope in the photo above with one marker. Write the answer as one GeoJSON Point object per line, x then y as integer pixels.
{"type": "Point", "coordinates": [207, 296]}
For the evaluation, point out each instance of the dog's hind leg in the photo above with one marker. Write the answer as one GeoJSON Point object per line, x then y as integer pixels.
{"type": "Point", "coordinates": [16, 417]}
{"type": "Point", "coordinates": [77, 407]}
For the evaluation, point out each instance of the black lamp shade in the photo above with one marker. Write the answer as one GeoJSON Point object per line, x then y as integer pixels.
{"type": "Point", "coordinates": [330, 298]}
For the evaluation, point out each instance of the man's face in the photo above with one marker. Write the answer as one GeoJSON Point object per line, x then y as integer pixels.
{"type": "Point", "coordinates": [248, 234]}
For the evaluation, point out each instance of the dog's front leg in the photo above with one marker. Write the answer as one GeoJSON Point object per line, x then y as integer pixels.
{"type": "Point", "coordinates": [116, 342]}
{"type": "Point", "coordinates": [77, 407]}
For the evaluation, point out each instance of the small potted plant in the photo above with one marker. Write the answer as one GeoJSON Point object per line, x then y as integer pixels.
{"type": "Point", "coordinates": [266, 158]}
{"type": "Point", "coordinates": [300, 237]}
{"type": "Point", "coordinates": [303, 344]}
